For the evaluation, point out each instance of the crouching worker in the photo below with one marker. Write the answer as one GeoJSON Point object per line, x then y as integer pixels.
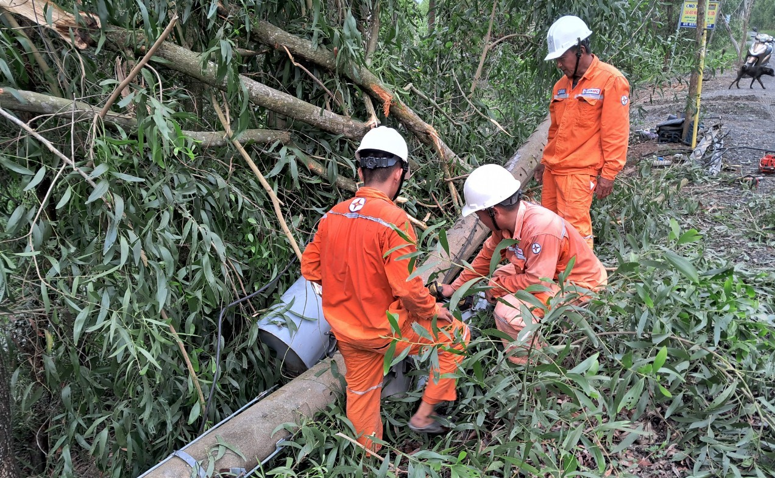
{"type": "Point", "coordinates": [545, 245]}
{"type": "Point", "coordinates": [356, 257]}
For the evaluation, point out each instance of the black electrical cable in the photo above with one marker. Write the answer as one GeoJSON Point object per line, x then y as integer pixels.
{"type": "Point", "coordinates": [218, 338]}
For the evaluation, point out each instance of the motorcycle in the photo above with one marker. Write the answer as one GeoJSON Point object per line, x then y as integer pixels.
{"type": "Point", "coordinates": [761, 50]}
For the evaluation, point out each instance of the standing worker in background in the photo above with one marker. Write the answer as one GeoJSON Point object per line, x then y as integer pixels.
{"type": "Point", "coordinates": [544, 245]}
{"type": "Point", "coordinates": [356, 257]}
{"type": "Point", "coordinates": [590, 129]}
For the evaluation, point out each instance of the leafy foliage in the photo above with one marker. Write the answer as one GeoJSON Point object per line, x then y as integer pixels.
{"type": "Point", "coordinates": [671, 366]}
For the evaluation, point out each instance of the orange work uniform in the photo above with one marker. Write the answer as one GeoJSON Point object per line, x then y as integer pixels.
{"type": "Point", "coordinates": [546, 243]}
{"type": "Point", "coordinates": [356, 257]}
{"type": "Point", "coordinates": [588, 136]}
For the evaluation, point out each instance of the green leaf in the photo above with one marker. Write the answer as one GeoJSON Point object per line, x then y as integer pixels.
{"type": "Point", "coordinates": [65, 198]}
{"type": "Point", "coordinates": [393, 320]}
{"type": "Point", "coordinates": [631, 397]}
{"type": "Point", "coordinates": [37, 179]}
{"type": "Point", "coordinates": [388, 357]}
{"type": "Point", "coordinates": [496, 254]}
{"type": "Point", "coordinates": [16, 216]}
{"type": "Point", "coordinates": [80, 320]}
{"type": "Point", "coordinates": [659, 360]}
{"type": "Point", "coordinates": [584, 366]}
{"type": "Point", "coordinates": [664, 391]}
{"type": "Point", "coordinates": [127, 177]}
{"type": "Point", "coordinates": [99, 191]}
{"type": "Point", "coordinates": [99, 170]}
{"type": "Point", "coordinates": [15, 167]}
{"type": "Point", "coordinates": [629, 439]}
{"type": "Point", "coordinates": [193, 415]}
{"type": "Point", "coordinates": [443, 240]}
{"type": "Point", "coordinates": [683, 265]}
{"type": "Point", "coordinates": [458, 295]}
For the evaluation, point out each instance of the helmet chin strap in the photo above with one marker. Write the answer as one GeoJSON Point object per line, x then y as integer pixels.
{"type": "Point", "coordinates": [492, 218]}
{"type": "Point", "coordinates": [404, 167]}
{"type": "Point", "coordinates": [578, 58]}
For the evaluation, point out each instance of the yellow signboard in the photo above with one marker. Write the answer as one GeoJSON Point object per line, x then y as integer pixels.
{"type": "Point", "coordinates": [689, 15]}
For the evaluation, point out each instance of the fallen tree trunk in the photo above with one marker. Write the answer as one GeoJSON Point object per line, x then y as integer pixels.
{"type": "Point", "coordinates": [467, 234]}
{"type": "Point", "coordinates": [252, 432]}
{"type": "Point", "coordinates": [278, 38]}
{"type": "Point", "coordinates": [190, 63]}
{"type": "Point", "coordinates": [62, 22]}
{"type": "Point", "coordinates": [79, 111]}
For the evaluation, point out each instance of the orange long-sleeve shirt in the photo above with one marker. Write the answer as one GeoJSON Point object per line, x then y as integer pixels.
{"type": "Point", "coordinates": [546, 245]}
{"type": "Point", "coordinates": [355, 257]}
{"type": "Point", "coordinates": [590, 124]}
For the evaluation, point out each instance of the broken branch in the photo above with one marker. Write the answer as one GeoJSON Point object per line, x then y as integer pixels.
{"type": "Point", "coordinates": [139, 66]}
{"type": "Point", "coordinates": [261, 179]}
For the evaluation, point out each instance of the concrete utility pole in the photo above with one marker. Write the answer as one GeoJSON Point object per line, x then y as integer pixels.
{"type": "Point", "coordinates": [696, 79]}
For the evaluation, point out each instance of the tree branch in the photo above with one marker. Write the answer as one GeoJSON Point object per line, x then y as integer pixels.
{"type": "Point", "coordinates": [47, 144]}
{"type": "Point", "coordinates": [261, 179]}
{"type": "Point", "coordinates": [485, 49]}
{"type": "Point", "coordinates": [51, 105]}
{"type": "Point", "coordinates": [139, 66]}
{"type": "Point", "coordinates": [275, 37]}
{"type": "Point", "coordinates": [35, 53]}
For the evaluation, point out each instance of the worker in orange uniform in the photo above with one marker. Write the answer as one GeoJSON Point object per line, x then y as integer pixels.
{"type": "Point", "coordinates": [356, 257]}
{"type": "Point", "coordinates": [543, 245]}
{"type": "Point", "coordinates": [590, 127]}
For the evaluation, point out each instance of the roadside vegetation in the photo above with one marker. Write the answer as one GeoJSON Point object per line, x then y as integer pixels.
{"type": "Point", "coordinates": [669, 371]}
{"type": "Point", "coordinates": [122, 239]}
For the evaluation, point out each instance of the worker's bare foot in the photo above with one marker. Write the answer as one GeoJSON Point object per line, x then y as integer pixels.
{"type": "Point", "coordinates": [418, 421]}
{"type": "Point", "coordinates": [423, 417]}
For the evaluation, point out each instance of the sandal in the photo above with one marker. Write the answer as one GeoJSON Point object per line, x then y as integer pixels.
{"type": "Point", "coordinates": [433, 428]}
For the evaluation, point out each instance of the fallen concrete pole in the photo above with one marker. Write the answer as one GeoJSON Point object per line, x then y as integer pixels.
{"type": "Point", "coordinates": [250, 432]}
{"type": "Point", "coordinates": [467, 234]}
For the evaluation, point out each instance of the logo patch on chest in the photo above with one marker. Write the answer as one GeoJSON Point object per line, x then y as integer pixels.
{"type": "Point", "coordinates": [590, 91]}
{"type": "Point", "coordinates": [357, 204]}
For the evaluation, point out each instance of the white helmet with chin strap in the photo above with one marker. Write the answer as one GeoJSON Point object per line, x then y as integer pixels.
{"type": "Point", "coordinates": [386, 140]}
{"type": "Point", "coordinates": [488, 186]}
{"type": "Point", "coordinates": [383, 148]}
{"type": "Point", "coordinates": [566, 32]}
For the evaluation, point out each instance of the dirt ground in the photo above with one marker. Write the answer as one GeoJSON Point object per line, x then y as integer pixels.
{"type": "Point", "coordinates": [737, 212]}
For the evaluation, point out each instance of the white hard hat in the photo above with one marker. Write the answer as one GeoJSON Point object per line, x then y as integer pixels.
{"type": "Point", "coordinates": [566, 32]}
{"type": "Point", "coordinates": [384, 139]}
{"type": "Point", "coordinates": [487, 186]}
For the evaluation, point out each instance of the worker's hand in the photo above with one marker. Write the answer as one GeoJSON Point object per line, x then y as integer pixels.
{"type": "Point", "coordinates": [538, 174]}
{"type": "Point", "coordinates": [490, 297]}
{"type": "Point", "coordinates": [604, 187]}
{"type": "Point", "coordinates": [445, 315]}
{"type": "Point", "coordinates": [446, 290]}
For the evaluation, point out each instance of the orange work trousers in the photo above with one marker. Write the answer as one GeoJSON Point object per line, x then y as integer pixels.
{"type": "Point", "coordinates": [570, 196]}
{"type": "Point", "coordinates": [364, 362]}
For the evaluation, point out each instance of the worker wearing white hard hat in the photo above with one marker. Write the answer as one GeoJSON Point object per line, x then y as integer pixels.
{"type": "Point", "coordinates": [590, 126]}
{"type": "Point", "coordinates": [362, 262]}
{"type": "Point", "coordinates": [541, 245]}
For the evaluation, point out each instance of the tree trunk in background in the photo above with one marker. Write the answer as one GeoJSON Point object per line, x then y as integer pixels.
{"type": "Point", "coordinates": [431, 15]}
{"type": "Point", "coordinates": [723, 19]}
{"type": "Point", "coordinates": [7, 459]}
{"type": "Point", "coordinates": [694, 81]}
{"type": "Point", "coordinates": [747, 7]}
